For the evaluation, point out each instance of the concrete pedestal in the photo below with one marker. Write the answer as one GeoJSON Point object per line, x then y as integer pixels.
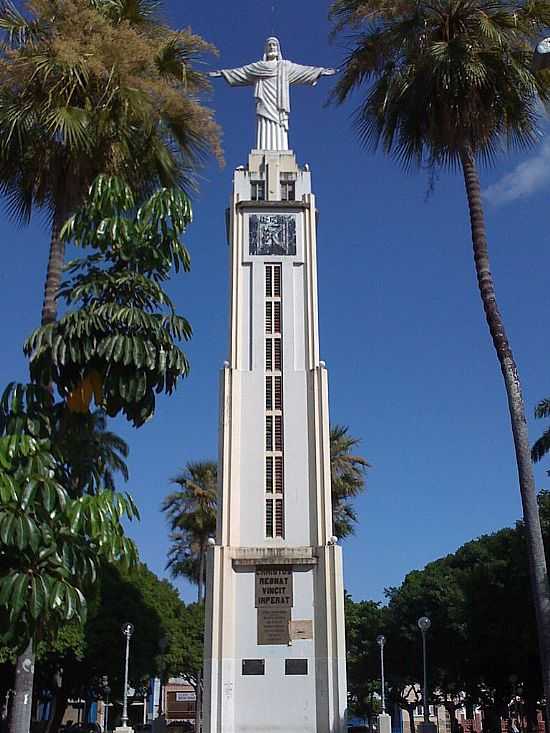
{"type": "Point", "coordinates": [384, 723]}
{"type": "Point", "coordinates": [124, 729]}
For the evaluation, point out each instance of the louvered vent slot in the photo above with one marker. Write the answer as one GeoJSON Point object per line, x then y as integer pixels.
{"type": "Point", "coordinates": [278, 432]}
{"type": "Point", "coordinates": [278, 393]}
{"type": "Point", "coordinates": [269, 517]}
{"type": "Point", "coordinates": [269, 433]}
{"type": "Point", "coordinates": [279, 518]}
{"type": "Point", "coordinates": [269, 474]}
{"type": "Point", "coordinates": [279, 474]}
{"type": "Point", "coordinates": [268, 354]}
{"type": "Point", "coordinates": [269, 393]}
{"type": "Point", "coordinates": [277, 281]}
{"type": "Point", "coordinates": [278, 355]}
{"type": "Point", "coordinates": [269, 315]}
{"type": "Point", "coordinates": [268, 282]}
{"type": "Point", "coordinates": [277, 319]}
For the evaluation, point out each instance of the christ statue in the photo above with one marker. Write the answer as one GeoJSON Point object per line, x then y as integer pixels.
{"type": "Point", "coordinates": [272, 78]}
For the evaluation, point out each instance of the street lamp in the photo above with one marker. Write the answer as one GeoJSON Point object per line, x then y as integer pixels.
{"type": "Point", "coordinates": [381, 640]}
{"type": "Point", "coordinates": [127, 631]}
{"type": "Point", "coordinates": [424, 624]}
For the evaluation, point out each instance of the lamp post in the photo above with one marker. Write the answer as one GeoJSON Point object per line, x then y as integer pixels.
{"type": "Point", "coordinates": [127, 632]}
{"type": "Point", "coordinates": [424, 624]}
{"type": "Point", "coordinates": [381, 640]}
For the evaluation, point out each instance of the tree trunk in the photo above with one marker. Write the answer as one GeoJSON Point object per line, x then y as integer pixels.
{"type": "Point", "coordinates": [537, 560]}
{"type": "Point", "coordinates": [54, 272]}
{"type": "Point", "coordinates": [198, 702]}
{"type": "Point", "coordinates": [20, 719]}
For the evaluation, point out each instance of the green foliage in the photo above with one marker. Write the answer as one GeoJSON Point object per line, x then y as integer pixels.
{"type": "Point", "coordinates": [542, 445]}
{"type": "Point", "coordinates": [365, 620]}
{"type": "Point", "coordinates": [95, 86]}
{"type": "Point", "coordinates": [118, 338]}
{"type": "Point", "coordinates": [441, 78]}
{"type": "Point", "coordinates": [51, 543]}
{"type": "Point", "coordinates": [191, 514]}
{"type": "Point", "coordinates": [347, 473]}
{"type": "Point", "coordinates": [483, 628]}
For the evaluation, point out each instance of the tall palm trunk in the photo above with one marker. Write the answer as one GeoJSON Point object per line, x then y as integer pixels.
{"type": "Point", "coordinates": [20, 718]}
{"type": "Point", "coordinates": [55, 267]}
{"type": "Point", "coordinates": [537, 559]}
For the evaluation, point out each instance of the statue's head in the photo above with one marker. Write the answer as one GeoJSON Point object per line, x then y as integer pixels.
{"type": "Point", "coordinates": [272, 50]}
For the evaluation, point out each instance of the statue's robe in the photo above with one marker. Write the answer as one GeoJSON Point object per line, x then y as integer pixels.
{"type": "Point", "coordinates": [272, 80]}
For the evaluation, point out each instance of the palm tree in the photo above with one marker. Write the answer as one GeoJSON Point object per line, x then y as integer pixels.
{"type": "Point", "coordinates": [447, 83]}
{"type": "Point", "coordinates": [91, 454]}
{"type": "Point", "coordinates": [541, 446]}
{"type": "Point", "coordinates": [191, 514]}
{"type": "Point", "coordinates": [347, 475]}
{"type": "Point", "coordinates": [90, 87]}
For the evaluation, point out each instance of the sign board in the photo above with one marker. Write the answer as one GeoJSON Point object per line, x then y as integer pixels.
{"type": "Point", "coordinates": [273, 625]}
{"type": "Point", "coordinates": [185, 696]}
{"type": "Point", "coordinates": [253, 666]}
{"type": "Point", "coordinates": [295, 666]}
{"type": "Point", "coordinates": [301, 629]}
{"type": "Point", "coordinates": [273, 587]}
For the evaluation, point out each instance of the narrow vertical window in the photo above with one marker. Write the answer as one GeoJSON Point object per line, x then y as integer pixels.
{"type": "Point", "coordinates": [279, 474]}
{"type": "Point", "coordinates": [269, 474]}
{"type": "Point", "coordinates": [274, 437]}
{"type": "Point", "coordinates": [277, 317]}
{"type": "Point", "coordinates": [269, 393]}
{"type": "Point", "coordinates": [278, 355]}
{"type": "Point", "coordinates": [279, 432]}
{"type": "Point", "coordinates": [269, 517]}
{"type": "Point", "coordinates": [279, 518]}
{"type": "Point", "coordinates": [277, 281]}
{"type": "Point", "coordinates": [257, 190]}
{"type": "Point", "coordinates": [269, 433]}
{"type": "Point", "coordinates": [278, 392]}
{"type": "Point", "coordinates": [268, 354]}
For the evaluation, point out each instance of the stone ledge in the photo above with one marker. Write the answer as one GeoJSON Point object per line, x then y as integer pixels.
{"type": "Point", "coordinates": [272, 205]}
{"type": "Point", "coordinates": [252, 556]}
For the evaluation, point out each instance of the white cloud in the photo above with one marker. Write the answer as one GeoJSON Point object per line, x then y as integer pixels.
{"type": "Point", "coordinates": [526, 178]}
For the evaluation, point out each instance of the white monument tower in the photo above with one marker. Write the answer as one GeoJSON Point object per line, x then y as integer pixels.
{"type": "Point", "coordinates": [275, 641]}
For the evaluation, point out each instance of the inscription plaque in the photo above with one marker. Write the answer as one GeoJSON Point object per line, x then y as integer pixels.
{"type": "Point", "coordinates": [273, 624]}
{"type": "Point", "coordinates": [272, 234]}
{"type": "Point", "coordinates": [273, 587]}
{"type": "Point", "coordinates": [295, 666]}
{"type": "Point", "coordinates": [253, 666]}
{"type": "Point", "coordinates": [301, 629]}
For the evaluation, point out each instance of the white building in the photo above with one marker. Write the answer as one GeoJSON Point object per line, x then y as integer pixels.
{"type": "Point", "coordinates": [275, 640]}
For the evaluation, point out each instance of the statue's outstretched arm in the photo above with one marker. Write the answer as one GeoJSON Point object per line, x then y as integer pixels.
{"type": "Point", "coordinates": [299, 74]}
{"type": "Point", "coordinates": [241, 76]}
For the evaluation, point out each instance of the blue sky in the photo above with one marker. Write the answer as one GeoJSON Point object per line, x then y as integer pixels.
{"type": "Point", "coordinates": [412, 370]}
